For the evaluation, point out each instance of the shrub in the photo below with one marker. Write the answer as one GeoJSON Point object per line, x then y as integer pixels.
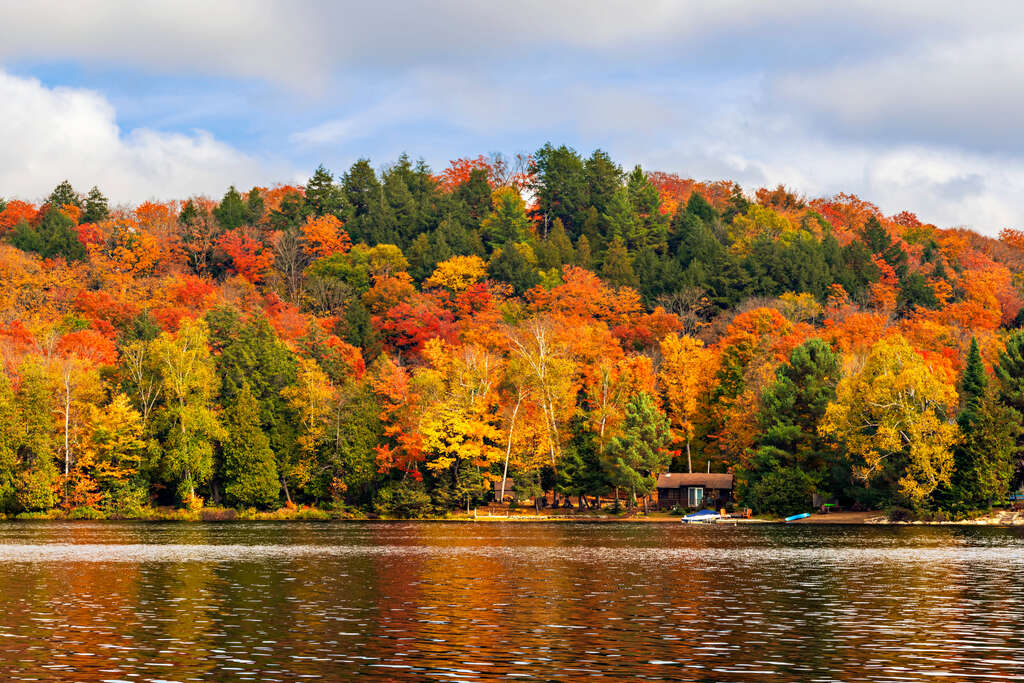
{"type": "Point", "coordinates": [405, 498]}
{"type": "Point", "coordinates": [125, 501]}
{"type": "Point", "coordinates": [785, 491]}
{"type": "Point", "coordinates": [86, 512]}
{"type": "Point", "coordinates": [218, 514]}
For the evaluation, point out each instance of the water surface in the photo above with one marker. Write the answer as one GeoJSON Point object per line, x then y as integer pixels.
{"type": "Point", "coordinates": [480, 602]}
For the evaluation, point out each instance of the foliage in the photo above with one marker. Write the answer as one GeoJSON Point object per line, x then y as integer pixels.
{"type": "Point", "coordinates": [399, 340]}
{"type": "Point", "coordinates": [892, 417]}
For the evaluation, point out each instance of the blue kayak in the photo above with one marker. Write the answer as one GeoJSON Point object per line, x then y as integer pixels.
{"type": "Point", "coordinates": [802, 515]}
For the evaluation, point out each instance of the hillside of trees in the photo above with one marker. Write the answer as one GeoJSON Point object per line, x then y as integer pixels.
{"type": "Point", "coordinates": [395, 340]}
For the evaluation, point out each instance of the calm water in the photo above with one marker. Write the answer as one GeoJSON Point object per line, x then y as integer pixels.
{"type": "Point", "coordinates": [423, 601]}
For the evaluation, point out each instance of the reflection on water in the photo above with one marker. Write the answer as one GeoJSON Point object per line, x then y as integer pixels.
{"type": "Point", "coordinates": [422, 601]}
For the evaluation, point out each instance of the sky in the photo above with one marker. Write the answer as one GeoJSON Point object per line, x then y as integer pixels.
{"type": "Point", "coordinates": [911, 105]}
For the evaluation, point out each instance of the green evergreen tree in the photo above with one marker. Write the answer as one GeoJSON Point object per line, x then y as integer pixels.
{"type": "Point", "coordinates": [603, 178]}
{"type": "Point", "coordinates": [421, 265]}
{"type": "Point", "coordinates": [249, 353]}
{"type": "Point", "coordinates": [359, 330]}
{"type": "Point", "coordinates": [792, 408]}
{"type": "Point", "coordinates": [621, 221]}
{"type": "Point", "coordinates": [250, 471]}
{"type": "Point", "coordinates": [878, 241]}
{"type": "Point", "coordinates": [323, 197]}
{"type": "Point", "coordinates": [63, 195]}
{"type": "Point", "coordinates": [254, 206]}
{"type": "Point", "coordinates": [1010, 372]}
{"type": "Point", "coordinates": [351, 456]}
{"type": "Point", "coordinates": [983, 465]}
{"type": "Point", "coordinates": [617, 268]}
{"type": "Point", "coordinates": [55, 237]}
{"type": "Point", "coordinates": [290, 214]}
{"type": "Point", "coordinates": [508, 221]}
{"type": "Point", "coordinates": [231, 213]}
{"type": "Point", "coordinates": [560, 185]}
{"type": "Point", "coordinates": [95, 207]}
{"type": "Point", "coordinates": [365, 196]}
{"type": "Point", "coordinates": [511, 266]}
{"type": "Point", "coordinates": [580, 472]}
{"type": "Point", "coordinates": [697, 206]}
{"type": "Point", "coordinates": [475, 194]}
{"type": "Point", "coordinates": [635, 458]}
{"type": "Point", "coordinates": [584, 258]}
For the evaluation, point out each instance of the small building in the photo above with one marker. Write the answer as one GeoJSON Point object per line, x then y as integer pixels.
{"type": "Point", "coordinates": [694, 490]}
{"type": "Point", "coordinates": [510, 492]}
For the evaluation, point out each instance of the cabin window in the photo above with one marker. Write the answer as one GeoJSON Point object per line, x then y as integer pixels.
{"type": "Point", "coordinates": [695, 496]}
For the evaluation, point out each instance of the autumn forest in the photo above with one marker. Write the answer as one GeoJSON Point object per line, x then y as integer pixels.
{"type": "Point", "coordinates": [393, 340]}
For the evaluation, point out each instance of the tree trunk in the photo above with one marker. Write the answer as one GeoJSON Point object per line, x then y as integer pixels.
{"type": "Point", "coordinates": [284, 485]}
{"type": "Point", "coordinates": [689, 462]}
{"type": "Point", "coordinates": [508, 447]}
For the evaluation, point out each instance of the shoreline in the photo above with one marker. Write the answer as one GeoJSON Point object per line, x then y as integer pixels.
{"type": "Point", "coordinates": [1002, 518]}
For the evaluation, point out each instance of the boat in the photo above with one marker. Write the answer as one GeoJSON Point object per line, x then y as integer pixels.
{"type": "Point", "coordinates": [701, 516]}
{"type": "Point", "coordinates": [793, 518]}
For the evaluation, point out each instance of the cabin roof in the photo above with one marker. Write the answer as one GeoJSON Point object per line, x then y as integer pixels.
{"type": "Point", "coordinates": [508, 485]}
{"type": "Point", "coordinates": [674, 480]}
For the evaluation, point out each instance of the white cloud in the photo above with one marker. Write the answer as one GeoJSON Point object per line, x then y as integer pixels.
{"type": "Point", "coordinates": [961, 90]}
{"type": "Point", "coordinates": [53, 134]}
{"type": "Point", "coordinates": [913, 105]}
{"type": "Point", "coordinates": [301, 44]}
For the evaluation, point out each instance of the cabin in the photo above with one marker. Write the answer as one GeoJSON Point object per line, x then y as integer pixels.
{"type": "Point", "coordinates": [694, 490]}
{"type": "Point", "coordinates": [510, 491]}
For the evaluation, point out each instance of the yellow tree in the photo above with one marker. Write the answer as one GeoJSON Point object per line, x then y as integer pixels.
{"type": "Point", "coordinates": [459, 422]}
{"type": "Point", "coordinates": [188, 421]}
{"type": "Point", "coordinates": [893, 416]}
{"type": "Point", "coordinates": [685, 375]}
{"type": "Point", "coordinates": [550, 374]}
{"type": "Point", "coordinates": [458, 273]}
{"type": "Point", "coordinates": [113, 444]}
{"type": "Point", "coordinates": [311, 397]}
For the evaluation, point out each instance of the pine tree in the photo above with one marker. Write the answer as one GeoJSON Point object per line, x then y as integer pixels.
{"type": "Point", "coordinates": [508, 221]}
{"type": "Point", "coordinates": [254, 206]}
{"type": "Point", "coordinates": [604, 177]}
{"type": "Point", "coordinates": [511, 266]}
{"type": "Point", "coordinates": [250, 354]}
{"type": "Point", "coordinates": [64, 195]}
{"type": "Point", "coordinates": [96, 208]}
{"type": "Point", "coordinates": [633, 459]}
{"type": "Point", "coordinates": [791, 459]}
{"type": "Point", "coordinates": [1010, 372]}
{"type": "Point", "coordinates": [323, 197]}
{"type": "Point", "coordinates": [475, 193]}
{"type": "Point", "coordinates": [618, 267]}
{"type": "Point", "coordinates": [560, 185]}
{"type": "Point", "coordinates": [560, 243]}
{"type": "Point", "coordinates": [983, 464]}
{"type": "Point", "coordinates": [231, 213]}
{"type": "Point", "coordinates": [974, 381]}
{"type": "Point", "coordinates": [250, 471]}
{"type": "Point", "coordinates": [54, 237]}
{"type": "Point", "coordinates": [621, 220]}
{"type": "Point", "coordinates": [584, 258]}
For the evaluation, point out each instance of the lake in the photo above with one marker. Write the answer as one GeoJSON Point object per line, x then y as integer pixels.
{"type": "Point", "coordinates": [293, 601]}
